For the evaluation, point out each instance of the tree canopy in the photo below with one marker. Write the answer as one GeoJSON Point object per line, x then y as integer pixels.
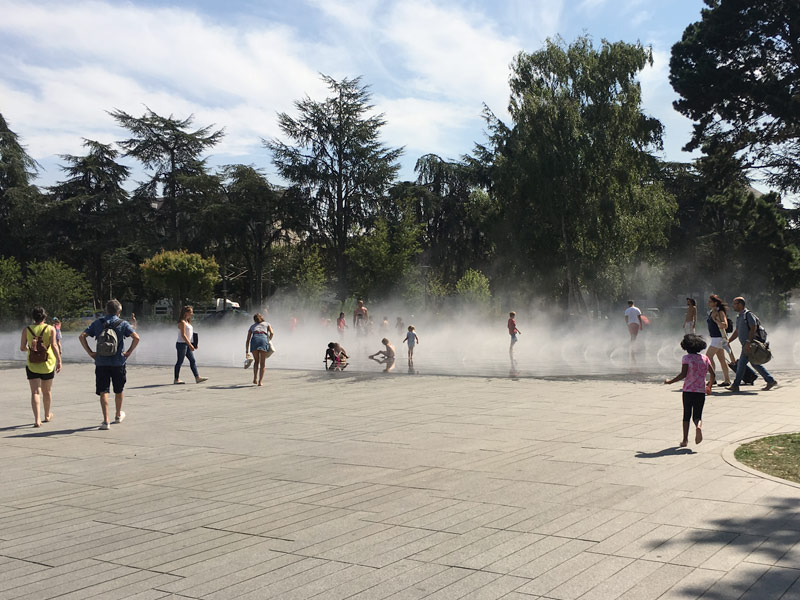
{"type": "Point", "coordinates": [574, 168]}
{"type": "Point", "coordinates": [737, 72]}
{"type": "Point", "coordinates": [335, 159]}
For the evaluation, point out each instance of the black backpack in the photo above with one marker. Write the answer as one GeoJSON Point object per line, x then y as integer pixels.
{"type": "Point", "coordinates": [729, 326]}
{"type": "Point", "coordinates": [109, 340]}
{"type": "Point", "coordinates": [761, 333]}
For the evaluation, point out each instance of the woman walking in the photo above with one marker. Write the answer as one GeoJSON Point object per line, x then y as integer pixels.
{"type": "Point", "coordinates": [259, 343]}
{"type": "Point", "coordinates": [185, 346]}
{"type": "Point", "coordinates": [44, 361]}
{"type": "Point", "coordinates": [717, 321]}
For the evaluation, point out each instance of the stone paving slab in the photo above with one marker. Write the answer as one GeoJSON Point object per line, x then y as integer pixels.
{"type": "Point", "coordinates": [355, 486]}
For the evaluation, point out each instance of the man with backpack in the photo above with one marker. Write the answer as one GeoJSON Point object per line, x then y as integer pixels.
{"type": "Point", "coordinates": [748, 328]}
{"type": "Point", "coordinates": [110, 332]}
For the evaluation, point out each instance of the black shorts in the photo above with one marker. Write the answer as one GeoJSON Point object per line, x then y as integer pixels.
{"type": "Point", "coordinates": [42, 376]}
{"type": "Point", "coordinates": [105, 376]}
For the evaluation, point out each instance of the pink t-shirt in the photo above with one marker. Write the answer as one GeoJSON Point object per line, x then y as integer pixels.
{"type": "Point", "coordinates": [695, 380]}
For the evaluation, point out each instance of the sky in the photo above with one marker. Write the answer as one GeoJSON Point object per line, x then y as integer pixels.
{"type": "Point", "coordinates": [430, 64]}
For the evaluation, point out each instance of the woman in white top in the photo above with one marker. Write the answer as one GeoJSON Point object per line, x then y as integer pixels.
{"type": "Point", "coordinates": [184, 345]}
{"type": "Point", "coordinates": [258, 342]}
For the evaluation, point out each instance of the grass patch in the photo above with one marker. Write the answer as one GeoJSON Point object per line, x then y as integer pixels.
{"type": "Point", "coordinates": [778, 455]}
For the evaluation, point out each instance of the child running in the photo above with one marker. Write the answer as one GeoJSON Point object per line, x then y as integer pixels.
{"type": "Point", "coordinates": [693, 372]}
{"type": "Point", "coordinates": [341, 324]}
{"type": "Point", "coordinates": [412, 339]}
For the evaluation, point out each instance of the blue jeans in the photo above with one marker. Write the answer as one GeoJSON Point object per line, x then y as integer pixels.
{"type": "Point", "coordinates": [184, 351]}
{"type": "Point", "coordinates": [740, 368]}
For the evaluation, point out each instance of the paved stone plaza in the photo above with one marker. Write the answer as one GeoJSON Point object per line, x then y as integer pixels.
{"type": "Point", "coordinates": [365, 487]}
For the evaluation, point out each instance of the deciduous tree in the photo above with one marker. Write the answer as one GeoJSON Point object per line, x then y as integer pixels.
{"type": "Point", "coordinates": [181, 276]}
{"type": "Point", "coordinates": [573, 172]}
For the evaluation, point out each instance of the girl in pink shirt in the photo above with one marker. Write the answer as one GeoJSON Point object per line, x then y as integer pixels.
{"type": "Point", "coordinates": [694, 367]}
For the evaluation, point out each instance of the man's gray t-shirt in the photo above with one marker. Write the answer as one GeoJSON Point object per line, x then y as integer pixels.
{"type": "Point", "coordinates": [744, 322]}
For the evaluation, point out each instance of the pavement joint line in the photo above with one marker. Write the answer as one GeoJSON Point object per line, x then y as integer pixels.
{"type": "Point", "coordinates": [256, 535]}
{"type": "Point", "coordinates": [27, 560]}
{"type": "Point", "coordinates": [99, 522]}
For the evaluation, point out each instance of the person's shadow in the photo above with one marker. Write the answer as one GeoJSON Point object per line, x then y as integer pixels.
{"type": "Point", "coordinates": [50, 433]}
{"type": "Point", "coordinates": [672, 451]}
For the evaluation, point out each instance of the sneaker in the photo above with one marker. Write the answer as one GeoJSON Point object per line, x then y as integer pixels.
{"type": "Point", "coordinates": [200, 379]}
{"type": "Point", "coordinates": [104, 425]}
{"type": "Point", "coordinates": [734, 389]}
{"type": "Point", "coordinates": [120, 418]}
{"type": "Point", "coordinates": [769, 386]}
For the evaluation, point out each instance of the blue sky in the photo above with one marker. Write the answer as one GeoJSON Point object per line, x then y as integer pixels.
{"type": "Point", "coordinates": [431, 64]}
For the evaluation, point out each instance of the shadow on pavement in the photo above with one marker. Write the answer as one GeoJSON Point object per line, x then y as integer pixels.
{"type": "Point", "coordinates": [771, 539]}
{"type": "Point", "coordinates": [46, 433]}
{"type": "Point", "coordinates": [13, 427]}
{"type": "Point", "coordinates": [672, 451]}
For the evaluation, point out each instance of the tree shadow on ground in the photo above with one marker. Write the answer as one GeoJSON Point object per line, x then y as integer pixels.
{"type": "Point", "coordinates": [765, 540]}
{"type": "Point", "coordinates": [671, 451]}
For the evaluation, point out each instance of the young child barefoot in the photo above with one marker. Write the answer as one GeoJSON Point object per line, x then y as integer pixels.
{"type": "Point", "coordinates": [694, 367]}
{"type": "Point", "coordinates": [412, 339]}
{"type": "Point", "coordinates": [387, 356]}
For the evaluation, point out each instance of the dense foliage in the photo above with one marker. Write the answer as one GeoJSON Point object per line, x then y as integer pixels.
{"type": "Point", "coordinates": [737, 72]}
{"type": "Point", "coordinates": [566, 203]}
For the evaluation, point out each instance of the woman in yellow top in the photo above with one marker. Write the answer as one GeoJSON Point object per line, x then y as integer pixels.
{"type": "Point", "coordinates": [41, 373]}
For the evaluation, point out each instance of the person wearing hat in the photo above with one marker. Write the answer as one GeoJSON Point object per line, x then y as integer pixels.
{"type": "Point", "coordinates": [57, 325]}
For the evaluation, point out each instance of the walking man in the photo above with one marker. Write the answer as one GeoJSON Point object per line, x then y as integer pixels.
{"type": "Point", "coordinates": [746, 330]}
{"type": "Point", "coordinates": [109, 359]}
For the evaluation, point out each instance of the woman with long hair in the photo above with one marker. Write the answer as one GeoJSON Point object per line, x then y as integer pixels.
{"type": "Point", "coordinates": [44, 361]}
{"type": "Point", "coordinates": [259, 343]}
{"type": "Point", "coordinates": [185, 345]}
{"type": "Point", "coordinates": [717, 321]}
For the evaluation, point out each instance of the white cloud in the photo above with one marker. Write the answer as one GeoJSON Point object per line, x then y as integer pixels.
{"type": "Point", "coordinates": [451, 53]}
{"type": "Point", "coordinates": [82, 59]}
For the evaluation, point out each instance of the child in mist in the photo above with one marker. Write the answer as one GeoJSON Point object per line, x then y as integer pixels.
{"type": "Point", "coordinates": [341, 324]}
{"type": "Point", "coordinates": [693, 372]}
{"type": "Point", "coordinates": [337, 355]}
{"type": "Point", "coordinates": [513, 332]}
{"type": "Point", "coordinates": [387, 356]}
{"type": "Point", "coordinates": [412, 339]}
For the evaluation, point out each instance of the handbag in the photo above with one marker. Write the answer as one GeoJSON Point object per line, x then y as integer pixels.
{"type": "Point", "coordinates": [759, 352]}
{"type": "Point", "coordinates": [195, 339]}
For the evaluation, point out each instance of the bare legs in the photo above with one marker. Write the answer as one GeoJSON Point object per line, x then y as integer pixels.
{"type": "Point", "coordinates": [41, 389]}
{"type": "Point", "coordinates": [259, 362]}
{"type": "Point", "coordinates": [104, 405]}
{"type": "Point", "coordinates": [698, 433]}
{"type": "Point", "coordinates": [719, 353]}
{"type": "Point", "coordinates": [36, 388]}
{"type": "Point", "coordinates": [47, 399]}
